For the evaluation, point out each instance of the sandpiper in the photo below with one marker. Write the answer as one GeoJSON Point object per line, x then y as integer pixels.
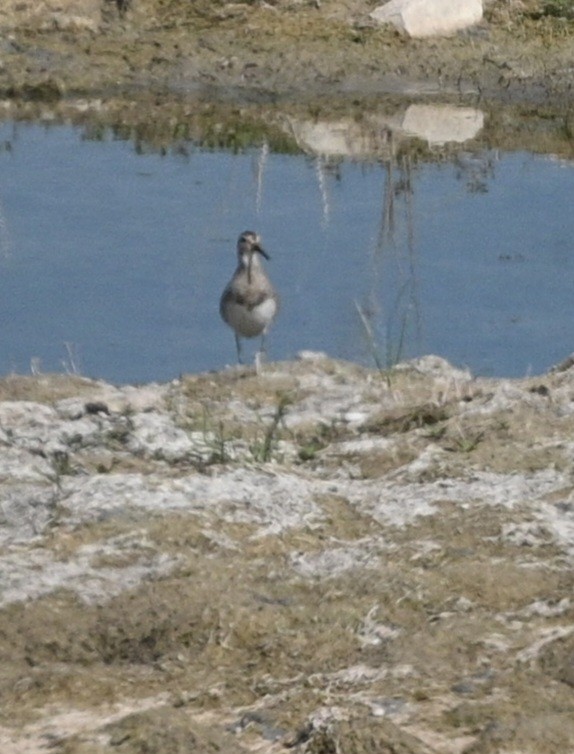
{"type": "Point", "coordinates": [249, 302]}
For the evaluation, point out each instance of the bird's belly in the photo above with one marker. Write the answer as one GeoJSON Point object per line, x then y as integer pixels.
{"type": "Point", "coordinates": [251, 322]}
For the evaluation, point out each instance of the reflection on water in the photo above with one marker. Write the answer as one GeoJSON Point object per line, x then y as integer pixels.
{"type": "Point", "coordinates": [112, 262]}
{"type": "Point", "coordinates": [378, 134]}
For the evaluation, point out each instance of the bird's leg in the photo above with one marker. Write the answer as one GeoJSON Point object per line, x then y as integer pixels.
{"type": "Point", "coordinates": [238, 346]}
{"type": "Point", "coordinates": [260, 354]}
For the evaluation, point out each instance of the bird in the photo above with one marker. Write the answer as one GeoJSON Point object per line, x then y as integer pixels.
{"type": "Point", "coordinates": [249, 302]}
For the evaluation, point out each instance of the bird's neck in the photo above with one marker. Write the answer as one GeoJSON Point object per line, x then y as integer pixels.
{"type": "Point", "coordinates": [252, 264]}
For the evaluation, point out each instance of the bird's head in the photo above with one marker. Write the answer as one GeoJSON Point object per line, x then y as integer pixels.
{"type": "Point", "coordinates": [248, 244]}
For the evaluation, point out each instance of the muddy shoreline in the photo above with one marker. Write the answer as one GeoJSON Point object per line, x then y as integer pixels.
{"type": "Point", "coordinates": [262, 54]}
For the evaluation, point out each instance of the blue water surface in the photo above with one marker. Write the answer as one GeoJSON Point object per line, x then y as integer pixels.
{"type": "Point", "coordinates": [112, 261]}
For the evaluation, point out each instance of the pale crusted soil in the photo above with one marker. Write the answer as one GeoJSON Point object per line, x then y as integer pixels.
{"type": "Point", "coordinates": [324, 558]}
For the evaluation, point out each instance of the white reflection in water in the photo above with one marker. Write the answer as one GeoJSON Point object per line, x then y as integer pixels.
{"type": "Point", "coordinates": [112, 263]}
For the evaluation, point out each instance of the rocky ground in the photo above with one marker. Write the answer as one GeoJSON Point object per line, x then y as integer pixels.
{"type": "Point", "coordinates": [323, 558]}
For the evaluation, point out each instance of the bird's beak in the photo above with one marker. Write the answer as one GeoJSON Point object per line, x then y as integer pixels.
{"type": "Point", "coordinates": [261, 250]}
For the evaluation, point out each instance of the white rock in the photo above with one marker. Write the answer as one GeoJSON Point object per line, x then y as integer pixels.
{"type": "Point", "coordinates": [334, 561]}
{"type": "Point", "coordinates": [271, 502]}
{"type": "Point", "coordinates": [26, 510]}
{"type": "Point", "coordinates": [38, 429]}
{"type": "Point", "coordinates": [429, 18]}
{"type": "Point", "coordinates": [71, 408]}
{"type": "Point", "coordinates": [27, 575]}
{"type": "Point", "coordinates": [116, 400]}
{"type": "Point", "coordinates": [19, 465]}
{"type": "Point", "coordinates": [145, 397]}
{"type": "Point", "coordinates": [156, 436]}
{"type": "Point", "coordinates": [436, 367]}
{"type": "Point", "coordinates": [311, 356]}
{"type": "Point", "coordinates": [25, 415]}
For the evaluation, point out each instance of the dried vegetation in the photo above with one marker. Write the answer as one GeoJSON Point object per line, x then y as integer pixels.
{"type": "Point", "coordinates": [394, 573]}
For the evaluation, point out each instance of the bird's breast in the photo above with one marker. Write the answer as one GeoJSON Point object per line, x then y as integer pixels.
{"type": "Point", "coordinates": [249, 321]}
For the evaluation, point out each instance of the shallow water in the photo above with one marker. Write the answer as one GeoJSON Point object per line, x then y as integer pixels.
{"type": "Point", "coordinates": [112, 261]}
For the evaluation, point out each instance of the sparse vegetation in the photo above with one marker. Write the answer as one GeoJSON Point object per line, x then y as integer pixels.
{"type": "Point", "coordinates": [268, 591]}
{"type": "Point", "coordinates": [556, 8]}
{"type": "Point", "coordinates": [264, 448]}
